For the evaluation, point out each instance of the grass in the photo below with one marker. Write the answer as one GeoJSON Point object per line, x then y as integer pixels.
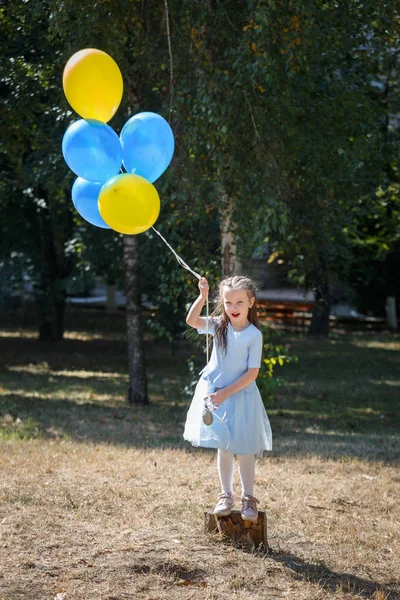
{"type": "Point", "coordinates": [341, 399]}
{"type": "Point", "coordinates": [102, 501]}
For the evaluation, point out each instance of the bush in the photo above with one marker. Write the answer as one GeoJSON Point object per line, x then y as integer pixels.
{"type": "Point", "coordinates": [275, 355]}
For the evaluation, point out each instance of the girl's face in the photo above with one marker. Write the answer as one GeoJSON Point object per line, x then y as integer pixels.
{"type": "Point", "coordinates": [237, 304]}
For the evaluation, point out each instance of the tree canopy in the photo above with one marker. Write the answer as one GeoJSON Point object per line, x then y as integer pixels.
{"type": "Point", "coordinates": [280, 111]}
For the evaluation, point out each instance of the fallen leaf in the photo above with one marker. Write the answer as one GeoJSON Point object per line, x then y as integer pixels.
{"type": "Point", "coordinates": [85, 562]}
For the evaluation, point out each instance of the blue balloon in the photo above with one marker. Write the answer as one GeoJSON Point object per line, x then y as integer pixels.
{"type": "Point", "coordinates": [92, 150]}
{"type": "Point", "coordinates": [147, 145]}
{"type": "Point", "coordinates": [85, 195]}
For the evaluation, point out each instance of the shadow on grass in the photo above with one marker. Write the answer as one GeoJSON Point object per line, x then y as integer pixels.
{"type": "Point", "coordinates": [160, 425]}
{"type": "Point", "coordinates": [99, 354]}
{"type": "Point", "coordinates": [333, 581]}
{"type": "Point", "coordinates": [330, 405]}
{"type": "Point", "coordinates": [142, 427]}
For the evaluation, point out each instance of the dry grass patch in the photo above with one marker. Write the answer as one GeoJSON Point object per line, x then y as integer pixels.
{"type": "Point", "coordinates": [97, 521]}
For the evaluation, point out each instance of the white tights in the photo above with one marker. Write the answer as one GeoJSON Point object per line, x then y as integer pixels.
{"type": "Point", "coordinates": [246, 462]}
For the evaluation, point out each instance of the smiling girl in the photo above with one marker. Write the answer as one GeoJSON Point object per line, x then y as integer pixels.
{"type": "Point", "coordinates": [239, 424]}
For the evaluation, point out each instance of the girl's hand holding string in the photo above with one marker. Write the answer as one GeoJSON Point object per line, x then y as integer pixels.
{"type": "Point", "coordinates": [203, 287]}
{"type": "Point", "coordinates": [193, 317]}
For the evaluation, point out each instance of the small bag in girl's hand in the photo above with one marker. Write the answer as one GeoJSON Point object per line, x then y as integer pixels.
{"type": "Point", "coordinates": [208, 417]}
{"type": "Point", "coordinates": [217, 424]}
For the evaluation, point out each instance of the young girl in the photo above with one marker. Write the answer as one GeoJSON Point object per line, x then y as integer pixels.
{"type": "Point", "coordinates": [240, 424]}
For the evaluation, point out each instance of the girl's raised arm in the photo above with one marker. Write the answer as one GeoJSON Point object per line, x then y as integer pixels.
{"type": "Point", "coordinates": [193, 318]}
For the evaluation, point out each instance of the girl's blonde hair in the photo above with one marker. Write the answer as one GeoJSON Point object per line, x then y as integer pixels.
{"type": "Point", "coordinates": [237, 282]}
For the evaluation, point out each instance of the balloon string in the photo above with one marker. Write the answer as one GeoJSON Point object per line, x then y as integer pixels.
{"type": "Point", "coordinates": [207, 351]}
{"type": "Point", "coordinates": [186, 266]}
{"type": "Point", "coordinates": [178, 258]}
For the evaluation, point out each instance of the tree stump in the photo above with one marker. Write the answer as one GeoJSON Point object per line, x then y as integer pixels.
{"type": "Point", "coordinates": [241, 532]}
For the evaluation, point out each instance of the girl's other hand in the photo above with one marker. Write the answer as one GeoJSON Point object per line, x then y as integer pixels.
{"type": "Point", "coordinates": [218, 397]}
{"type": "Point", "coordinates": [203, 287]}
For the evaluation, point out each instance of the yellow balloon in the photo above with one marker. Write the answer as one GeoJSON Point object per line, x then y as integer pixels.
{"type": "Point", "coordinates": [93, 84]}
{"type": "Point", "coordinates": [129, 203]}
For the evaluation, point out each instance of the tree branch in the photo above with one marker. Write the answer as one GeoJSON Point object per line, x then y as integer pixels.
{"type": "Point", "coordinates": [171, 63]}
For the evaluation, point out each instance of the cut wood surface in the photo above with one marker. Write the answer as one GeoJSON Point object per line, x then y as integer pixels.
{"type": "Point", "coordinates": [238, 530]}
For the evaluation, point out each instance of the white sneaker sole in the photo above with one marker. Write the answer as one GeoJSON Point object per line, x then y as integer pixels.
{"type": "Point", "coordinates": [225, 513]}
{"type": "Point", "coordinates": [252, 519]}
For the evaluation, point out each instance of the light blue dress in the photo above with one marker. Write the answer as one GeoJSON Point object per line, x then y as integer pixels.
{"type": "Point", "coordinates": [241, 424]}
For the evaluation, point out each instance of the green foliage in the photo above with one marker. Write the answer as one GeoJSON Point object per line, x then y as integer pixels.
{"type": "Point", "coordinates": [296, 123]}
{"type": "Point", "coordinates": [36, 219]}
{"type": "Point", "coordinates": [98, 252]}
{"type": "Point", "coordinates": [136, 37]}
{"type": "Point", "coordinates": [277, 110]}
{"type": "Point", "coordinates": [14, 268]}
{"type": "Point", "coordinates": [16, 428]}
{"type": "Point", "coordinates": [163, 280]}
{"type": "Point", "coordinates": [190, 386]}
{"type": "Point", "coordinates": [274, 355]}
{"type": "Point", "coordinates": [375, 257]}
{"type": "Point", "coordinates": [373, 234]}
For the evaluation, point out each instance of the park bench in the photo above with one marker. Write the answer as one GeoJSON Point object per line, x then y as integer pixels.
{"type": "Point", "coordinates": [285, 314]}
{"type": "Point", "coordinates": [296, 316]}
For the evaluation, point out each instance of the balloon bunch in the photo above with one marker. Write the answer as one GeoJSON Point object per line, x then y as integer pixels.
{"type": "Point", "coordinates": [103, 195]}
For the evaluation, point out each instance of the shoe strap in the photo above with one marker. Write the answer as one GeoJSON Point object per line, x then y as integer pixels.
{"type": "Point", "coordinates": [224, 495]}
{"type": "Point", "coordinates": [250, 502]}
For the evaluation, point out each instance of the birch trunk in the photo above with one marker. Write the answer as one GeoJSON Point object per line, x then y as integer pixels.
{"type": "Point", "coordinates": [391, 313]}
{"type": "Point", "coordinates": [137, 393]}
{"type": "Point", "coordinates": [230, 262]}
{"type": "Point", "coordinates": [391, 290]}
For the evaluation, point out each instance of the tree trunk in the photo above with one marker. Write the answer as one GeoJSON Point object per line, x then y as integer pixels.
{"type": "Point", "coordinates": [54, 268]}
{"type": "Point", "coordinates": [111, 301]}
{"type": "Point", "coordinates": [230, 262]}
{"type": "Point", "coordinates": [320, 315]}
{"type": "Point", "coordinates": [51, 310]}
{"type": "Point", "coordinates": [391, 312]}
{"type": "Point", "coordinates": [137, 393]}
{"type": "Point", "coordinates": [391, 290]}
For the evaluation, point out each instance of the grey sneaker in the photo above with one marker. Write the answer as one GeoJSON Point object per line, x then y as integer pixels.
{"type": "Point", "coordinates": [249, 510]}
{"type": "Point", "coordinates": [224, 505]}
